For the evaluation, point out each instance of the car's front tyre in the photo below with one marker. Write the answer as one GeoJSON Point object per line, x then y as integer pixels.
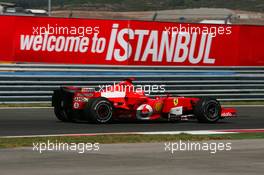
{"type": "Point", "coordinates": [207, 110]}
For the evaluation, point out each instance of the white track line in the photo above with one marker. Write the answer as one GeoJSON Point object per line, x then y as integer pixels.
{"type": "Point", "coordinates": [198, 132]}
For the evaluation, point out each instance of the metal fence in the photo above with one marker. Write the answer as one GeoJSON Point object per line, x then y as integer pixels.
{"type": "Point", "coordinates": [34, 83]}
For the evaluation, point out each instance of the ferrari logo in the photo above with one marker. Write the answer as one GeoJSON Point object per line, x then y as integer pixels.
{"type": "Point", "coordinates": [175, 101]}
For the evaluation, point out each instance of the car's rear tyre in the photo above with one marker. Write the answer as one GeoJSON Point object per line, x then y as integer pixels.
{"type": "Point", "coordinates": [98, 110]}
{"type": "Point", "coordinates": [63, 113]}
{"type": "Point", "coordinates": [207, 110]}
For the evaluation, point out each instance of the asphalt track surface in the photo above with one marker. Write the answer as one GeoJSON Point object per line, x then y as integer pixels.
{"type": "Point", "coordinates": [19, 122]}
{"type": "Point", "coordinates": [245, 158]}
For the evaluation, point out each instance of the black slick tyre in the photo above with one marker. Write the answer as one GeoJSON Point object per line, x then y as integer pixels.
{"type": "Point", "coordinates": [62, 112]}
{"type": "Point", "coordinates": [98, 110]}
{"type": "Point", "coordinates": [207, 110]}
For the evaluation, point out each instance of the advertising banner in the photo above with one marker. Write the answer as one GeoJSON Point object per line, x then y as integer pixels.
{"type": "Point", "coordinates": [127, 42]}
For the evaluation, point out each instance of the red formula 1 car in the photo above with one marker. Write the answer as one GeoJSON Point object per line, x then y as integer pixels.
{"type": "Point", "coordinates": [123, 101]}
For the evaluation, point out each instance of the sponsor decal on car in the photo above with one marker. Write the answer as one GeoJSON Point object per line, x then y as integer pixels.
{"type": "Point", "coordinates": [81, 99]}
{"type": "Point", "coordinates": [158, 106]}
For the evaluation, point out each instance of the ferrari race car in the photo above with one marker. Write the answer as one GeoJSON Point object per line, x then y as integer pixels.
{"type": "Point", "coordinates": [123, 101]}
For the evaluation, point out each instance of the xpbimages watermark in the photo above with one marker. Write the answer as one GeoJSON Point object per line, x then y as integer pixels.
{"type": "Point", "coordinates": [57, 146]}
{"type": "Point", "coordinates": [205, 29]}
{"type": "Point", "coordinates": [147, 88]}
{"type": "Point", "coordinates": [212, 147]}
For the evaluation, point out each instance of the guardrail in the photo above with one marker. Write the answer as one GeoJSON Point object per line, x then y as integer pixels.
{"type": "Point", "coordinates": [34, 83]}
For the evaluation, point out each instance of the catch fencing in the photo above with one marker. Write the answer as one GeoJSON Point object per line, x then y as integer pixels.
{"type": "Point", "coordinates": [34, 83]}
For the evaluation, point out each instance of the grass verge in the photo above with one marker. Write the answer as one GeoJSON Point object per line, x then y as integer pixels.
{"type": "Point", "coordinates": [104, 139]}
{"type": "Point", "coordinates": [132, 5]}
